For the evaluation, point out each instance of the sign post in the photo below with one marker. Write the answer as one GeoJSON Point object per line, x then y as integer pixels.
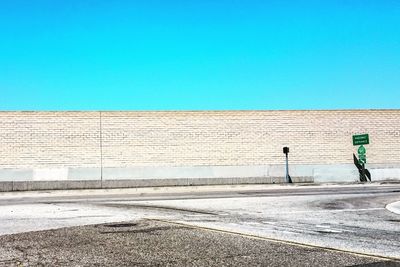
{"type": "Point", "coordinates": [286, 152]}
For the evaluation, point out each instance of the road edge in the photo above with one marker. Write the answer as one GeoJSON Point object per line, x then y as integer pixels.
{"type": "Point", "coordinates": [394, 207]}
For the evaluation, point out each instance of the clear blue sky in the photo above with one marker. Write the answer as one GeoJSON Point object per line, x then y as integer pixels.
{"type": "Point", "coordinates": [200, 54]}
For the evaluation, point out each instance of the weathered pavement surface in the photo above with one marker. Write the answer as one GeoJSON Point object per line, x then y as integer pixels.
{"type": "Point", "coordinates": [344, 218]}
{"type": "Point", "coordinates": [149, 243]}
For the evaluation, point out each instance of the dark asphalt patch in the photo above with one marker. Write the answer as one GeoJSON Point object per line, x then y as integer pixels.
{"type": "Point", "coordinates": [153, 243]}
{"type": "Point", "coordinates": [117, 225]}
{"type": "Point", "coordinates": [394, 220]}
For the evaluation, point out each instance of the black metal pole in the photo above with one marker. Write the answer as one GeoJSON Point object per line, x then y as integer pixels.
{"type": "Point", "coordinates": [287, 168]}
{"type": "Point", "coordinates": [287, 177]}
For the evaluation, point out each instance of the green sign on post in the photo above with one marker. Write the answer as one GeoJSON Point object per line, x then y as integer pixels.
{"type": "Point", "coordinates": [361, 150]}
{"type": "Point", "coordinates": [362, 158]}
{"type": "Point", "coordinates": [360, 139]}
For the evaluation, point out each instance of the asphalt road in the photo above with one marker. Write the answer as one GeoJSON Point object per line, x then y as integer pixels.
{"type": "Point", "coordinates": [351, 221]}
{"type": "Point", "coordinates": [152, 243]}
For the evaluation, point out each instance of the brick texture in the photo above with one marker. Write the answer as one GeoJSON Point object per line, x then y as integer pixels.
{"type": "Point", "coordinates": [49, 139]}
{"type": "Point", "coordinates": [198, 138]}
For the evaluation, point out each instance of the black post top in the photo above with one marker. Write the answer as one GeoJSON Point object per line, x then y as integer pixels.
{"type": "Point", "coordinates": [286, 150]}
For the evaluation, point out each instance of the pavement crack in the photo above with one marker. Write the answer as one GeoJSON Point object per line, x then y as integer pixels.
{"type": "Point", "coordinates": [145, 231]}
{"type": "Point", "coordinates": [117, 225]}
{"type": "Point", "coordinates": [165, 208]}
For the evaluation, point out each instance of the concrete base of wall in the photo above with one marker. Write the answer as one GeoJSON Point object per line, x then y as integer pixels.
{"type": "Point", "coordinates": [108, 184]}
{"type": "Point", "coordinates": [85, 178]}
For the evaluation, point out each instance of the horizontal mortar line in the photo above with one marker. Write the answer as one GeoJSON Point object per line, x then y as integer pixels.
{"type": "Point", "coordinates": [304, 245]}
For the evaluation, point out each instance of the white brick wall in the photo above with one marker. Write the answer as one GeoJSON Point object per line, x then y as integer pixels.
{"type": "Point", "coordinates": [49, 139]}
{"type": "Point", "coordinates": [200, 138]}
{"type": "Point", "coordinates": [247, 137]}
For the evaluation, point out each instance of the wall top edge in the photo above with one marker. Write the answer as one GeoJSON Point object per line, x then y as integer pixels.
{"type": "Point", "coordinates": [195, 111]}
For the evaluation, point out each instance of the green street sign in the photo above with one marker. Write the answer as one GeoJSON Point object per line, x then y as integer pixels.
{"type": "Point", "coordinates": [361, 150]}
{"type": "Point", "coordinates": [362, 159]}
{"type": "Point", "coordinates": [360, 139]}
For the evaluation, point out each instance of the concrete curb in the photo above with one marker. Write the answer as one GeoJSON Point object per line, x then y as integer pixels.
{"type": "Point", "coordinates": [141, 191]}
{"type": "Point", "coordinates": [394, 207]}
